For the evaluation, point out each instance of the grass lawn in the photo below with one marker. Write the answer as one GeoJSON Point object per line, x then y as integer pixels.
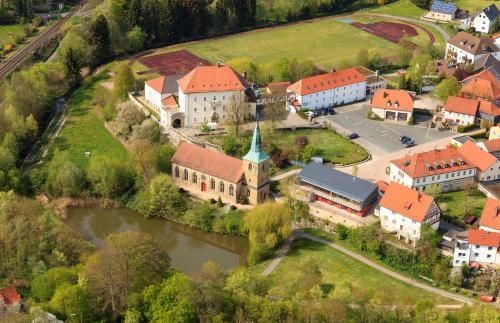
{"type": "Point", "coordinates": [333, 42]}
{"type": "Point", "coordinates": [453, 204]}
{"type": "Point", "coordinates": [331, 146]}
{"type": "Point", "coordinates": [402, 8]}
{"type": "Point", "coordinates": [84, 130]}
{"type": "Point", "coordinates": [472, 5]}
{"type": "Point", "coordinates": [5, 30]}
{"type": "Point", "coordinates": [338, 269]}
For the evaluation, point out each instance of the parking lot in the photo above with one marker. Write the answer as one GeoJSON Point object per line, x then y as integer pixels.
{"type": "Point", "coordinates": [383, 135]}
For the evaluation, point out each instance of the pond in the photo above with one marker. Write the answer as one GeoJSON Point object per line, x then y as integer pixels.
{"type": "Point", "coordinates": [188, 248]}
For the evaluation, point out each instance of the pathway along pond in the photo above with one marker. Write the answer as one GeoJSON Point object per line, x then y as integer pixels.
{"type": "Point", "coordinates": [188, 248]}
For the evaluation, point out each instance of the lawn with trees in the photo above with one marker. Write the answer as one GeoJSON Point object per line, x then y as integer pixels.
{"type": "Point", "coordinates": [455, 205]}
{"type": "Point", "coordinates": [348, 277]}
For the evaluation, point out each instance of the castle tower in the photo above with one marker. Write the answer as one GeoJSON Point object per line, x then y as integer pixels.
{"type": "Point", "coordinates": [256, 167]}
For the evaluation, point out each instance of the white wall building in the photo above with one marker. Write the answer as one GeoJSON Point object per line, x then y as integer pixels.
{"type": "Point", "coordinates": [488, 166]}
{"type": "Point", "coordinates": [444, 167]}
{"type": "Point", "coordinates": [479, 246]}
{"type": "Point", "coordinates": [464, 48]}
{"type": "Point", "coordinates": [460, 111]}
{"type": "Point", "coordinates": [483, 21]}
{"type": "Point", "coordinates": [327, 90]}
{"type": "Point", "coordinates": [153, 91]}
{"type": "Point", "coordinates": [403, 211]}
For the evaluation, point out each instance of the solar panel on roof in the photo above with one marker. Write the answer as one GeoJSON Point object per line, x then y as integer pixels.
{"type": "Point", "coordinates": [443, 7]}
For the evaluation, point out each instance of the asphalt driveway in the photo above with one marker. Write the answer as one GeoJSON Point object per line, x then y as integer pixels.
{"type": "Point", "coordinates": [384, 135]}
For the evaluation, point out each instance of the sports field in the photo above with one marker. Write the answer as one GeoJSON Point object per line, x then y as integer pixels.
{"type": "Point", "coordinates": [327, 42]}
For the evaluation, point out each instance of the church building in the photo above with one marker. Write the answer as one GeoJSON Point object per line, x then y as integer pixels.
{"type": "Point", "coordinates": [199, 169]}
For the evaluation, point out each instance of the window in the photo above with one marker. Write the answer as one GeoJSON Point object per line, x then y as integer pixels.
{"type": "Point", "coordinates": [212, 184]}
{"type": "Point", "coordinates": [176, 171]}
{"type": "Point", "coordinates": [215, 98]}
{"type": "Point", "coordinates": [249, 166]}
{"type": "Point", "coordinates": [231, 190]}
{"type": "Point", "coordinates": [195, 109]}
{"type": "Point", "coordinates": [221, 187]}
{"type": "Point", "coordinates": [488, 256]}
{"type": "Point", "coordinates": [186, 175]}
{"type": "Point", "coordinates": [195, 119]}
{"type": "Point", "coordinates": [195, 178]}
{"type": "Point", "coordinates": [476, 254]}
{"type": "Point", "coordinates": [204, 98]}
{"type": "Point", "coordinates": [204, 108]}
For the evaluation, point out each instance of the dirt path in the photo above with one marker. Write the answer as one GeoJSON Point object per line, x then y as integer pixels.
{"type": "Point", "coordinates": [387, 271]}
{"type": "Point", "coordinates": [281, 254]}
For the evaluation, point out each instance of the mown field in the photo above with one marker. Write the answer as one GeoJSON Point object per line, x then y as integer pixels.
{"type": "Point", "coordinates": [84, 129]}
{"type": "Point", "coordinates": [402, 8]}
{"type": "Point", "coordinates": [327, 42]}
{"type": "Point", "coordinates": [473, 5]}
{"type": "Point", "coordinates": [16, 30]}
{"type": "Point", "coordinates": [339, 270]}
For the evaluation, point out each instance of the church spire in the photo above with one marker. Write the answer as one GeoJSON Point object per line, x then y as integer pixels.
{"type": "Point", "coordinates": [256, 154]}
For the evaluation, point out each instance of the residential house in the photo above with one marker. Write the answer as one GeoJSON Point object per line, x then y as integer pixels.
{"type": "Point", "coordinates": [465, 48]}
{"type": "Point", "coordinates": [441, 11]}
{"type": "Point", "coordinates": [327, 90]}
{"type": "Point", "coordinates": [488, 166]}
{"type": "Point", "coordinates": [373, 80]}
{"type": "Point", "coordinates": [10, 300]}
{"type": "Point", "coordinates": [460, 111]}
{"type": "Point", "coordinates": [213, 174]}
{"type": "Point", "coordinates": [446, 168]}
{"type": "Point", "coordinates": [492, 146]}
{"type": "Point", "coordinates": [403, 211]}
{"type": "Point", "coordinates": [395, 105]}
{"type": "Point", "coordinates": [484, 20]}
{"type": "Point", "coordinates": [278, 90]}
{"type": "Point", "coordinates": [205, 95]}
{"type": "Point", "coordinates": [490, 218]}
{"type": "Point", "coordinates": [477, 246]}
{"type": "Point", "coordinates": [483, 85]}
{"type": "Point", "coordinates": [327, 185]}
{"type": "Point", "coordinates": [494, 133]}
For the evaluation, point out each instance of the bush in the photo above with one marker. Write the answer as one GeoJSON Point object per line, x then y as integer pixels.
{"type": "Point", "coordinates": [219, 202]}
{"type": "Point", "coordinates": [300, 142]}
{"type": "Point", "coordinates": [212, 201]}
{"type": "Point", "coordinates": [342, 231]}
{"type": "Point", "coordinates": [465, 128]}
{"type": "Point", "coordinates": [109, 112]}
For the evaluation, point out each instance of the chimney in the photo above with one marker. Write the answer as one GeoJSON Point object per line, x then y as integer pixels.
{"type": "Point", "coordinates": [219, 64]}
{"type": "Point", "coordinates": [419, 196]}
{"type": "Point", "coordinates": [333, 70]}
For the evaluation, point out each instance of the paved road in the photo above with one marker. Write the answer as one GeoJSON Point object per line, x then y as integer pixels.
{"type": "Point", "coordinates": [382, 134]}
{"type": "Point", "coordinates": [285, 175]}
{"type": "Point", "coordinates": [281, 254]}
{"type": "Point", "coordinates": [389, 272]}
{"type": "Point", "coordinates": [440, 29]}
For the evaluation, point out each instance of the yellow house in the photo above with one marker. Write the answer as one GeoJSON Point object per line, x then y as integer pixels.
{"type": "Point", "coordinates": [494, 132]}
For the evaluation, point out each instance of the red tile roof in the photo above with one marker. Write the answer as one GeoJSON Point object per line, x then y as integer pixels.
{"type": "Point", "coordinates": [476, 156]}
{"type": "Point", "coordinates": [10, 296]}
{"type": "Point", "coordinates": [482, 85]}
{"type": "Point", "coordinates": [208, 162]}
{"type": "Point", "coordinates": [489, 108]}
{"type": "Point", "coordinates": [491, 216]}
{"type": "Point", "coordinates": [392, 100]}
{"type": "Point", "coordinates": [492, 145]}
{"type": "Point", "coordinates": [484, 238]}
{"type": "Point", "coordinates": [382, 185]}
{"type": "Point", "coordinates": [156, 83]}
{"type": "Point", "coordinates": [406, 201]}
{"type": "Point", "coordinates": [278, 87]}
{"type": "Point", "coordinates": [432, 163]}
{"type": "Point", "coordinates": [326, 81]}
{"type": "Point", "coordinates": [169, 102]}
{"type": "Point", "coordinates": [461, 105]}
{"type": "Point", "coordinates": [212, 79]}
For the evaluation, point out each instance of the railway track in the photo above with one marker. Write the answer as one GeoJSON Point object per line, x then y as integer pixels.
{"type": "Point", "coordinates": [10, 64]}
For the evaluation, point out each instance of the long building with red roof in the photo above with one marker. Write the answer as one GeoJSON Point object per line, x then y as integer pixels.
{"type": "Point", "coordinates": [326, 90]}
{"type": "Point", "coordinates": [403, 211]}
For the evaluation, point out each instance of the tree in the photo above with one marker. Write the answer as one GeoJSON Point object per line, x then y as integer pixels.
{"type": "Point", "coordinates": [109, 177]}
{"type": "Point", "coordinates": [72, 300]}
{"type": "Point", "coordinates": [237, 110]}
{"type": "Point", "coordinates": [124, 81]}
{"type": "Point", "coordinates": [100, 40]}
{"type": "Point", "coordinates": [44, 286]}
{"type": "Point", "coordinates": [126, 264]}
{"type": "Point", "coordinates": [64, 178]}
{"type": "Point", "coordinates": [267, 224]}
{"type": "Point", "coordinates": [170, 300]}
{"type": "Point", "coordinates": [308, 153]}
{"type": "Point", "coordinates": [362, 58]}
{"type": "Point", "coordinates": [161, 198]}
{"type": "Point", "coordinates": [274, 109]}
{"type": "Point", "coordinates": [433, 190]}
{"type": "Point", "coordinates": [447, 87]}
{"type": "Point", "coordinates": [161, 158]}
{"type": "Point", "coordinates": [135, 39]}
{"type": "Point", "coordinates": [74, 53]}
{"type": "Point", "coordinates": [405, 51]}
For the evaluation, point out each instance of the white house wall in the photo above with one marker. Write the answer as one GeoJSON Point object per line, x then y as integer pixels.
{"type": "Point", "coordinates": [336, 96]}
{"type": "Point", "coordinates": [463, 119]}
{"type": "Point", "coordinates": [152, 97]}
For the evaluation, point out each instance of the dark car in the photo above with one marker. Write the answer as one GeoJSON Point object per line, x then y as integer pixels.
{"type": "Point", "coordinates": [404, 139]}
{"type": "Point", "coordinates": [353, 136]}
{"type": "Point", "coordinates": [409, 144]}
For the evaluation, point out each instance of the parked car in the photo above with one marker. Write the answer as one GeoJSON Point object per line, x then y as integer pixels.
{"type": "Point", "coordinates": [310, 114]}
{"type": "Point", "coordinates": [409, 144]}
{"type": "Point", "coordinates": [353, 136]}
{"type": "Point", "coordinates": [404, 139]}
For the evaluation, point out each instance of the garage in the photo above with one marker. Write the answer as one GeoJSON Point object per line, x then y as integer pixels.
{"type": "Point", "coordinates": [390, 115]}
{"type": "Point", "coordinates": [402, 116]}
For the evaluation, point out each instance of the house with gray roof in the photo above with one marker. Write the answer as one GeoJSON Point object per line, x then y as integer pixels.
{"type": "Point", "coordinates": [482, 21]}
{"type": "Point", "coordinates": [321, 183]}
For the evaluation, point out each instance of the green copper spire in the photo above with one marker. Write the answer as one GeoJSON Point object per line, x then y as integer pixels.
{"type": "Point", "coordinates": [256, 154]}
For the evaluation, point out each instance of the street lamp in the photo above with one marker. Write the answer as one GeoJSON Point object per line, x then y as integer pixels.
{"type": "Point", "coordinates": [81, 317]}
